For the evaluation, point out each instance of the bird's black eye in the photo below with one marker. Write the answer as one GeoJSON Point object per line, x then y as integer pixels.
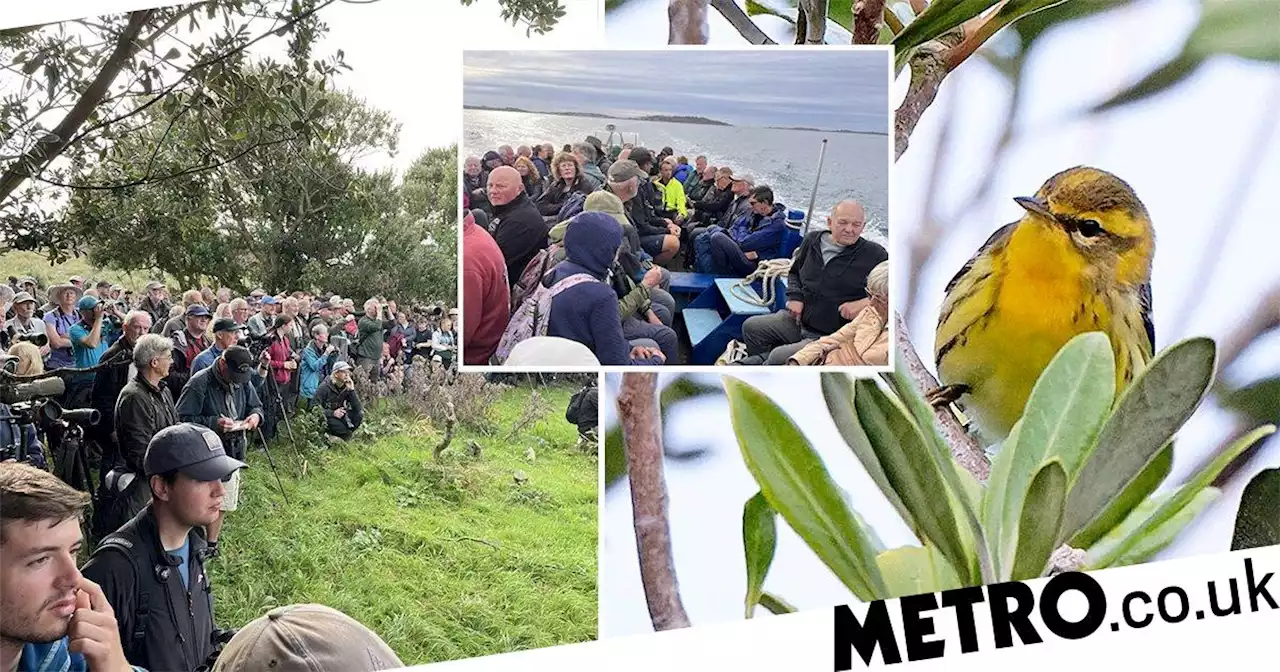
{"type": "Point", "coordinates": [1089, 228]}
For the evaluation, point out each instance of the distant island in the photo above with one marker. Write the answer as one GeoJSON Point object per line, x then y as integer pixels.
{"type": "Point", "coordinates": [668, 118]}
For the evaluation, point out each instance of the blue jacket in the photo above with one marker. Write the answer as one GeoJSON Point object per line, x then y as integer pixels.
{"type": "Point", "coordinates": [588, 312]}
{"type": "Point", "coordinates": [761, 234]}
{"type": "Point", "coordinates": [681, 173]}
{"type": "Point", "coordinates": [315, 366]}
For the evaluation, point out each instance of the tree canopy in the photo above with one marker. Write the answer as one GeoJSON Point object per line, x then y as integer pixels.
{"type": "Point", "coordinates": [156, 140]}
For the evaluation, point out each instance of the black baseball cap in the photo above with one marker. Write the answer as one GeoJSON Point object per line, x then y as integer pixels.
{"type": "Point", "coordinates": [641, 155]}
{"type": "Point", "coordinates": [239, 364]}
{"type": "Point", "coordinates": [225, 324]}
{"type": "Point", "coordinates": [193, 450]}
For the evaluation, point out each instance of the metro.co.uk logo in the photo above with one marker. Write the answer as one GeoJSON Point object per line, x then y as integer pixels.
{"type": "Point", "coordinates": [1009, 607]}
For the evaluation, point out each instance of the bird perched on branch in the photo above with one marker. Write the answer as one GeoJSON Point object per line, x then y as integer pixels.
{"type": "Point", "coordinates": [1079, 260]}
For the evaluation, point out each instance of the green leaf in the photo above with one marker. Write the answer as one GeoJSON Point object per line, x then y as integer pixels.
{"type": "Point", "coordinates": [1062, 417]}
{"type": "Point", "coordinates": [1182, 497]}
{"type": "Point", "coordinates": [837, 391]}
{"type": "Point", "coordinates": [995, 495]}
{"type": "Point", "coordinates": [1150, 411]}
{"type": "Point", "coordinates": [1258, 519]}
{"type": "Point", "coordinates": [963, 494]}
{"type": "Point", "coordinates": [911, 570]}
{"type": "Point", "coordinates": [912, 471]}
{"type": "Point", "coordinates": [1259, 401]}
{"type": "Point", "coordinates": [775, 604]}
{"type": "Point", "coordinates": [940, 17]}
{"type": "Point", "coordinates": [1146, 483]}
{"type": "Point", "coordinates": [1242, 28]}
{"type": "Point", "coordinates": [797, 485]}
{"type": "Point", "coordinates": [1041, 517]}
{"type": "Point", "coordinates": [1142, 541]}
{"type": "Point", "coordinates": [760, 540]}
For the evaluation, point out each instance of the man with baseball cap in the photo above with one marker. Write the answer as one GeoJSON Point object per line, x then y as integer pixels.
{"type": "Point", "coordinates": [223, 398]}
{"type": "Point", "coordinates": [337, 397]}
{"type": "Point", "coordinates": [306, 638]}
{"type": "Point", "coordinates": [187, 345]}
{"type": "Point", "coordinates": [261, 323]}
{"type": "Point", "coordinates": [156, 302]}
{"type": "Point", "coordinates": [24, 324]}
{"type": "Point", "coordinates": [152, 569]}
{"type": "Point", "coordinates": [659, 238]}
{"type": "Point", "coordinates": [226, 333]}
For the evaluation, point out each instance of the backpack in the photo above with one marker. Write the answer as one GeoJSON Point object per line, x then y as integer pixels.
{"type": "Point", "coordinates": [532, 275]}
{"type": "Point", "coordinates": [532, 317]}
{"type": "Point", "coordinates": [573, 204]}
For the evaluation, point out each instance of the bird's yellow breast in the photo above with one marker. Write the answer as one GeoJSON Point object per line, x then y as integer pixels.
{"type": "Point", "coordinates": [1028, 299]}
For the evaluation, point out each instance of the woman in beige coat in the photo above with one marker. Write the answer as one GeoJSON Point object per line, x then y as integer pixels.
{"type": "Point", "coordinates": [864, 341]}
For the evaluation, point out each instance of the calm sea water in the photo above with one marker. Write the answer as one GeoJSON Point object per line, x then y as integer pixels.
{"type": "Point", "coordinates": [856, 165]}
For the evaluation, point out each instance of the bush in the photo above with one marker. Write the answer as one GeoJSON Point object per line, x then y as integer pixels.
{"type": "Point", "coordinates": [430, 392]}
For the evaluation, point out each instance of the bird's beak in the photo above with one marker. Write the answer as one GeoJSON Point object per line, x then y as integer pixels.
{"type": "Point", "coordinates": [1036, 206]}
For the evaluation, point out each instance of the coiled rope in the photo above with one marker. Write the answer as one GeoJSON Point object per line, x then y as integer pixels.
{"type": "Point", "coordinates": [768, 271]}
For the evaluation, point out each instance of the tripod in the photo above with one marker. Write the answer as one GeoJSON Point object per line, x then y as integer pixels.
{"type": "Point", "coordinates": [273, 389]}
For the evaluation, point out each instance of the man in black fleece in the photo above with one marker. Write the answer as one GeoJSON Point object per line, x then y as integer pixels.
{"type": "Point", "coordinates": [516, 226]}
{"type": "Point", "coordinates": [827, 287]}
{"type": "Point", "coordinates": [659, 238]}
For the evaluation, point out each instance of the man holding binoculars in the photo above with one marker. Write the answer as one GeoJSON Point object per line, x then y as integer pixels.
{"type": "Point", "coordinates": [379, 317]}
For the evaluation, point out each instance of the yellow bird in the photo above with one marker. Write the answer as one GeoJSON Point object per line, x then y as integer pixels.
{"type": "Point", "coordinates": [1079, 260]}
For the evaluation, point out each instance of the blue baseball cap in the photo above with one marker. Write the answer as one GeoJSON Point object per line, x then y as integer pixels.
{"type": "Point", "coordinates": [269, 300]}
{"type": "Point", "coordinates": [198, 310]}
{"type": "Point", "coordinates": [87, 302]}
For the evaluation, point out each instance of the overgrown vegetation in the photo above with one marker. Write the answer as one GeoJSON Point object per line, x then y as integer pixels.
{"type": "Point", "coordinates": [462, 557]}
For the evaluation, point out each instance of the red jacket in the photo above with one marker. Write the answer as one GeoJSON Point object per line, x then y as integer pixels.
{"type": "Point", "coordinates": [486, 295]}
{"type": "Point", "coordinates": [280, 353]}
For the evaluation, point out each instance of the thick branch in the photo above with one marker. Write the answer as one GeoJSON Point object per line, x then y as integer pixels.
{"type": "Point", "coordinates": [739, 19]}
{"type": "Point", "coordinates": [642, 436]}
{"type": "Point", "coordinates": [867, 15]}
{"type": "Point", "coordinates": [928, 69]}
{"type": "Point", "coordinates": [53, 144]}
{"type": "Point", "coordinates": [964, 449]}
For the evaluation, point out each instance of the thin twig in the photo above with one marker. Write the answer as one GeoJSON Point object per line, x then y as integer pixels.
{"type": "Point", "coordinates": [478, 541]}
{"type": "Point", "coordinates": [642, 436]}
{"type": "Point", "coordinates": [964, 448]}
{"type": "Point", "coordinates": [867, 15]}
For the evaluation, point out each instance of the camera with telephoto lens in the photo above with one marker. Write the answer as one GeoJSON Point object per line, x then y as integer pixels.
{"type": "Point", "coordinates": [259, 344]}
{"type": "Point", "coordinates": [31, 403]}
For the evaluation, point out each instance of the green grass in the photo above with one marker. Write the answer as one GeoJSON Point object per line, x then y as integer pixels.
{"type": "Point", "coordinates": [379, 530]}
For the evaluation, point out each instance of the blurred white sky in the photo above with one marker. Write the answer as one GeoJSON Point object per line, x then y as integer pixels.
{"type": "Point", "coordinates": [1181, 151]}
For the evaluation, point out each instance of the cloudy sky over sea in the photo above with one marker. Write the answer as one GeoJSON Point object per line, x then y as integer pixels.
{"type": "Point", "coordinates": [830, 90]}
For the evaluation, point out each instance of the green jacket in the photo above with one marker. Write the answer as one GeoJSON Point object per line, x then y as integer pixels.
{"type": "Point", "coordinates": [370, 335]}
